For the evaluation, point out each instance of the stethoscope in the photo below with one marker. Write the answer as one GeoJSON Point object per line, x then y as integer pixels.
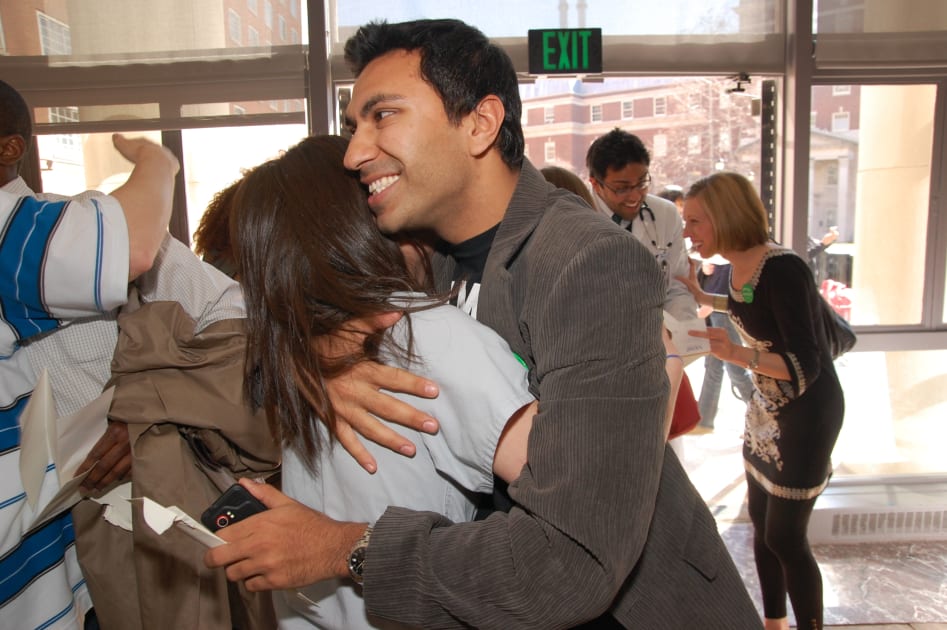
{"type": "Point", "coordinates": [661, 253]}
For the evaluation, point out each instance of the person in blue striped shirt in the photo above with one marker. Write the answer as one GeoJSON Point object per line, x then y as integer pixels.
{"type": "Point", "coordinates": [61, 260]}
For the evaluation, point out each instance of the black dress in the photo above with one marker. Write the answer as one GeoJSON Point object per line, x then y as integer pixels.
{"type": "Point", "coordinates": [791, 426]}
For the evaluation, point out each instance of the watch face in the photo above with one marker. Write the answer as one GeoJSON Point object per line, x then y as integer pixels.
{"type": "Point", "coordinates": [357, 563]}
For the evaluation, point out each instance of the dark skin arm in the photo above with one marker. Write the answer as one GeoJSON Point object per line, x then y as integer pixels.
{"type": "Point", "coordinates": [109, 460]}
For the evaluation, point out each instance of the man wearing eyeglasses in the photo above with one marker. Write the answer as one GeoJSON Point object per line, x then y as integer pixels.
{"type": "Point", "coordinates": [618, 165]}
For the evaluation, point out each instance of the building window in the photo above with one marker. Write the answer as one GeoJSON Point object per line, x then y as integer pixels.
{"type": "Point", "coordinates": [252, 5]}
{"type": "Point", "coordinates": [693, 102]}
{"type": "Point", "coordinates": [3, 42]}
{"type": "Point", "coordinates": [550, 151]}
{"type": "Point", "coordinates": [234, 27]}
{"type": "Point", "coordinates": [627, 109]}
{"type": "Point", "coordinates": [63, 114]}
{"type": "Point", "coordinates": [54, 36]}
{"type": "Point", "coordinates": [253, 36]}
{"type": "Point", "coordinates": [841, 121]}
{"type": "Point", "coordinates": [294, 8]}
{"type": "Point", "coordinates": [548, 115]}
{"type": "Point", "coordinates": [268, 13]}
{"type": "Point", "coordinates": [293, 36]}
{"type": "Point", "coordinates": [596, 113]}
{"type": "Point", "coordinates": [660, 106]}
{"type": "Point", "coordinates": [659, 145]}
{"type": "Point", "coordinates": [841, 90]}
{"type": "Point", "coordinates": [282, 28]}
{"type": "Point", "coordinates": [693, 144]}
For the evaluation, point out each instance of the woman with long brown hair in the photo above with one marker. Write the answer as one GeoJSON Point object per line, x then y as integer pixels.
{"type": "Point", "coordinates": [311, 260]}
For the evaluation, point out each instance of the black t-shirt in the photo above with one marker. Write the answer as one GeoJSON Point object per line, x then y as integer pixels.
{"type": "Point", "coordinates": [471, 258]}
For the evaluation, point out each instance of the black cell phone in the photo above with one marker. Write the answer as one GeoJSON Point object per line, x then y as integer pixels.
{"type": "Point", "coordinates": [235, 504]}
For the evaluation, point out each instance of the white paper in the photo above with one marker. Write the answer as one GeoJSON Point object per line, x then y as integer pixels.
{"type": "Point", "coordinates": [65, 442]}
{"type": "Point", "coordinates": [690, 348]}
{"type": "Point", "coordinates": [118, 510]}
{"type": "Point", "coordinates": [35, 449]}
{"type": "Point", "coordinates": [160, 519]}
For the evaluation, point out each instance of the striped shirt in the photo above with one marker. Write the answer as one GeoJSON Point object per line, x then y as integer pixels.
{"type": "Point", "coordinates": [60, 260]}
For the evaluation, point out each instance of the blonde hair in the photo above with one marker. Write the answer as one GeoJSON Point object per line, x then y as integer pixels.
{"type": "Point", "coordinates": [735, 210]}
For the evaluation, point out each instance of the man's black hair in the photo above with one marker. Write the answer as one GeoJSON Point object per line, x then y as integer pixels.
{"type": "Point", "coordinates": [459, 62]}
{"type": "Point", "coordinates": [615, 150]}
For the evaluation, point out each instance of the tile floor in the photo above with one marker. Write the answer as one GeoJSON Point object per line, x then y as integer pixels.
{"type": "Point", "coordinates": [878, 585]}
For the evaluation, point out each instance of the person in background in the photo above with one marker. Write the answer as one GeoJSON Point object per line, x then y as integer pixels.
{"type": "Point", "coordinates": [795, 414]}
{"type": "Point", "coordinates": [674, 194]}
{"type": "Point", "coordinates": [74, 267]}
{"type": "Point", "coordinates": [815, 249]}
{"type": "Point", "coordinates": [311, 259]}
{"type": "Point", "coordinates": [564, 178]}
{"type": "Point", "coordinates": [602, 505]}
{"type": "Point", "coordinates": [714, 277]}
{"type": "Point", "coordinates": [212, 236]}
{"type": "Point", "coordinates": [618, 164]}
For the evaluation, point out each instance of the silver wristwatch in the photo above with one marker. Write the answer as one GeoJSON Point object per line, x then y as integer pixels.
{"type": "Point", "coordinates": [357, 556]}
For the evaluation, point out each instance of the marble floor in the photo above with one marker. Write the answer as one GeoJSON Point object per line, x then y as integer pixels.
{"type": "Point", "coordinates": [900, 584]}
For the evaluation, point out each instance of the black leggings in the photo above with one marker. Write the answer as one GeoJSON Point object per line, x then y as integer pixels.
{"type": "Point", "coordinates": [784, 561]}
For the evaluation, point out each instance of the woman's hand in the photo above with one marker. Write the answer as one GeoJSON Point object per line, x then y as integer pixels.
{"type": "Point", "coordinates": [690, 281]}
{"type": "Point", "coordinates": [720, 344]}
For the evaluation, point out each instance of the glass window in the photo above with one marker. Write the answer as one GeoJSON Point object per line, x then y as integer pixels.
{"type": "Point", "coordinates": [660, 106]}
{"type": "Point", "coordinates": [54, 36]}
{"type": "Point", "coordinates": [904, 16]}
{"type": "Point", "coordinates": [596, 113]}
{"type": "Point", "coordinates": [684, 146]}
{"type": "Point", "coordinates": [127, 29]}
{"type": "Point", "coordinates": [213, 159]}
{"type": "Point", "coordinates": [549, 115]}
{"type": "Point", "coordinates": [841, 90]}
{"type": "Point", "coordinates": [3, 40]}
{"type": "Point", "coordinates": [627, 109]}
{"type": "Point", "coordinates": [549, 151]}
{"type": "Point", "coordinates": [253, 36]}
{"type": "Point", "coordinates": [720, 19]}
{"type": "Point", "coordinates": [841, 121]}
{"type": "Point", "coordinates": [899, 406]}
{"type": "Point", "coordinates": [234, 27]}
{"type": "Point", "coordinates": [859, 173]}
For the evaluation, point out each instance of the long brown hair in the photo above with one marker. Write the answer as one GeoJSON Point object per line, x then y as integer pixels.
{"type": "Point", "coordinates": [310, 260]}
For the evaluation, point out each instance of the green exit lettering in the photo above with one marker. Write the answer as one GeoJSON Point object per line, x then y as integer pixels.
{"type": "Point", "coordinates": [566, 50]}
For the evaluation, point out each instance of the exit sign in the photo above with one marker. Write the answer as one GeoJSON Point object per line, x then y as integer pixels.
{"type": "Point", "coordinates": [565, 51]}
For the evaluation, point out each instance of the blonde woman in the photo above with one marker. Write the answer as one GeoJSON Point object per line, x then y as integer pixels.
{"type": "Point", "coordinates": [794, 416]}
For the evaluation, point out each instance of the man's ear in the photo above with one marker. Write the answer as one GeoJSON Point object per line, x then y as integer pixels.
{"type": "Point", "coordinates": [12, 149]}
{"type": "Point", "coordinates": [485, 120]}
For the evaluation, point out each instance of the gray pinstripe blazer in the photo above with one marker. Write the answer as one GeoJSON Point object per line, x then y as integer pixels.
{"type": "Point", "coordinates": [605, 516]}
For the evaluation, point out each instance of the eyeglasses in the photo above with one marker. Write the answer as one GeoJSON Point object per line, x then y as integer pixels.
{"type": "Point", "coordinates": [621, 191]}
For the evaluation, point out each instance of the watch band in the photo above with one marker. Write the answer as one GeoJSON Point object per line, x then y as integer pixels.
{"type": "Point", "coordinates": [754, 363]}
{"type": "Point", "coordinates": [357, 556]}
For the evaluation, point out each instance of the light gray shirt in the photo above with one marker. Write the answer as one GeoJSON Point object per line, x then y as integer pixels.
{"type": "Point", "coordinates": [482, 384]}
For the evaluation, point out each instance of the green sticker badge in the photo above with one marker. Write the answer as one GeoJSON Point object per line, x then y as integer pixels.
{"type": "Point", "coordinates": [747, 293]}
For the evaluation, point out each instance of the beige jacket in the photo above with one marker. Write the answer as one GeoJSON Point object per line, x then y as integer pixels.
{"type": "Point", "coordinates": [181, 394]}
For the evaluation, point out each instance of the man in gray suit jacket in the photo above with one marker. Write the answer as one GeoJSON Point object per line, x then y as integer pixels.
{"type": "Point", "coordinates": [606, 525]}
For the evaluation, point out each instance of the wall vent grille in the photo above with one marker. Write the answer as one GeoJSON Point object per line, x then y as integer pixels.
{"type": "Point", "coordinates": [840, 526]}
